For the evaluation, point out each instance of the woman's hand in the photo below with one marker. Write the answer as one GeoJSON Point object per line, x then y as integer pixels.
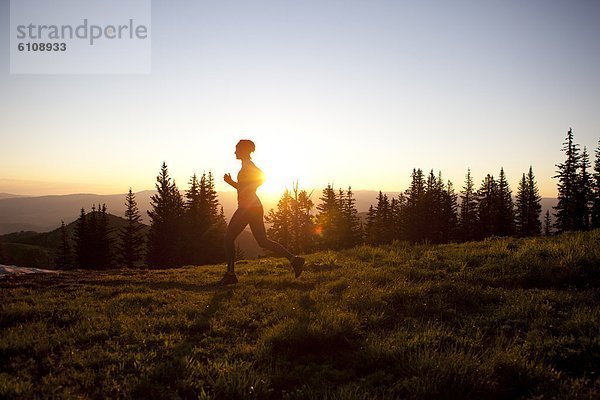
{"type": "Point", "coordinates": [227, 178]}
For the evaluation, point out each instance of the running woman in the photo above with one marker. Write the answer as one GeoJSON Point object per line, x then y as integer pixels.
{"type": "Point", "coordinates": [250, 212]}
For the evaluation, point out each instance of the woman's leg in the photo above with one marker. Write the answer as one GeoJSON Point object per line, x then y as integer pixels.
{"type": "Point", "coordinates": [238, 222]}
{"type": "Point", "coordinates": [257, 226]}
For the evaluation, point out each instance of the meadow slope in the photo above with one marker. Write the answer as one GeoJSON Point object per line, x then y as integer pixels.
{"type": "Point", "coordinates": [503, 318]}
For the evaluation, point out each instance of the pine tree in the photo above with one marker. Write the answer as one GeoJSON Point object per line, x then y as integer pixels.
{"type": "Point", "coordinates": [103, 241]}
{"type": "Point", "coordinates": [351, 231]}
{"type": "Point", "coordinates": [82, 251]}
{"type": "Point", "coordinates": [416, 208]}
{"type": "Point", "coordinates": [164, 238]}
{"type": "Point", "coordinates": [583, 193]}
{"type": "Point", "coordinates": [195, 225]}
{"type": "Point", "coordinates": [291, 222]}
{"type": "Point", "coordinates": [595, 213]}
{"type": "Point", "coordinates": [281, 220]}
{"type": "Point", "coordinates": [528, 206]}
{"type": "Point", "coordinates": [329, 219]}
{"type": "Point", "coordinates": [63, 256]}
{"type": "Point", "coordinates": [131, 238]}
{"type": "Point", "coordinates": [370, 234]}
{"type": "Point", "coordinates": [505, 213]}
{"type": "Point", "coordinates": [468, 210]}
{"type": "Point", "coordinates": [448, 213]}
{"type": "Point", "coordinates": [534, 225]}
{"type": "Point", "coordinates": [397, 219]}
{"type": "Point", "coordinates": [522, 208]}
{"type": "Point", "coordinates": [567, 174]}
{"type": "Point", "coordinates": [379, 224]}
{"type": "Point", "coordinates": [547, 224]}
{"type": "Point", "coordinates": [216, 223]}
{"type": "Point", "coordinates": [487, 207]}
{"type": "Point", "coordinates": [430, 225]}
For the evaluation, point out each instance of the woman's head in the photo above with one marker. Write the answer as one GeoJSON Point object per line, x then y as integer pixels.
{"type": "Point", "coordinates": [244, 148]}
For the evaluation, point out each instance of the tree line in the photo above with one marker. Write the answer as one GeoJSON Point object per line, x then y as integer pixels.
{"type": "Point", "coordinates": [189, 228]}
{"type": "Point", "coordinates": [184, 229]}
{"type": "Point", "coordinates": [431, 211]}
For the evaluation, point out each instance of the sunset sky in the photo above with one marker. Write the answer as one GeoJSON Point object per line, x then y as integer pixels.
{"type": "Point", "coordinates": [344, 92]}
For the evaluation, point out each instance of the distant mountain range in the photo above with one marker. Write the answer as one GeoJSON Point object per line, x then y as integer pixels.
{"type": "Point", "coordinates": [44, 213]}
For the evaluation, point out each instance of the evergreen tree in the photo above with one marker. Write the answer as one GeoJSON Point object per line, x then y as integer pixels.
{"type": "Point", "coordinates": [487, 207]}
{"type": "Point", "coordinates": [196, 223]}
{"type": "Point", "coordinates": [370, 234]}
{"type": "Point", "coordinates": [567, 174]}
{"type": "Point", "coordinates": [534, 209]}
{"type": "Point", "coordinates": [164, 237]}
{"type": "Point", "coordinates": [281, 220]}
{"type": "Point", "coordinates": [292, 224]}
{"type": "Point", "coordinates": [63, 256]}
{"type": "Point", "coordinates": [415, 216]}
{"type": "Point", "coordinates": [379, 229]}
{"type": "Point", "coordinates": [131, 238]}
{"type": "Point", "coordinates": [430, 225]}
{"type": "Point", "coordinates": [329, 219]}
{"type": "Point", "coordinates": [547, 224]}
{"type": "Point", "coordinates": [351, 231]}
{"type": "Point", "coordinates": [468, 210]}
{"type": "Point", "coordinates": [216, 223]}
{"type": "Point", "coordinates": [92, 241]}
{"type": "Point", "coordinates": [583, 193]}
{"type": "Point", "coordinates": [82, 242]}
{"type": "Point", "coordinates": [522, 208]}
{"type": "Point", "coordinates": [103, 242]}
{"type": "Point", "coordinates": [397, 219]}
{"type": "Point", "coordinates": [303, 227]}
{"type": "Point", "coordinates": [595, 213]}
{"type": "Point", "coordinates": [504, 225]}
{"type": "Point", "coordinates": [448, 213]}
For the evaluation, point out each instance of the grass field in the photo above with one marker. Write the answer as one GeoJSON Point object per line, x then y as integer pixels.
{"type": "Point", "coordinates": [504, 318]}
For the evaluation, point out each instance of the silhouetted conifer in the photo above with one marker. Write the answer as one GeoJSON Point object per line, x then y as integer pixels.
{"type": "Point", "coordinates": [547, 224]}
{"type": "Point", "coordinates": [487, 207]}
{"type": "Point", "coordinates": [103, 241]}
{"type": "Point", "coordinates": [329, 220]}
{"type": "Point", "coordinates": [291, 222]}
{"type": "Point", "coordinates": [528, 207]}
{"type": "Point", "coordinates": [82, 242]}
{"type": "Point", "coordinates": [415, 217]}
{"type": "Point", "coordinates": [568, 193]}
{"type": "Point", "coordinates": [595, 213]}
{"type": "Point", "coordinates": [448, 213]}
{"type": "Point", "coordinates": [505, 210]}
{"type": "Point", "coordinates": [468, 210]}
{"type": "Point", "coordinates": [131, 237]}
{"type": "Point", "coordinates": [92, 239]}
{"type": "Point", "coordinates": [165, 236]}
{"type": "Point", "coordinates": [379, 229]}
{"type": "Point", "coordinates": [584, 193]}
{"type": "Point", "coordinates": [351, 229]}
{"type": "Point", "coordinates": [217, 224]}
{"type": "Point", "coordinates": [195, 224]}
{"type": "Point", "coordinates": [63, 258]}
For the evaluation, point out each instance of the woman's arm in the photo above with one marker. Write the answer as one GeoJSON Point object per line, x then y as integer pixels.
{"type": "Point", "coordinates": [227, 178]}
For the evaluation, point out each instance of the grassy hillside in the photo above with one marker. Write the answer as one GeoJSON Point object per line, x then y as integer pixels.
{"type": "Point", "coordinates": [504, 318]}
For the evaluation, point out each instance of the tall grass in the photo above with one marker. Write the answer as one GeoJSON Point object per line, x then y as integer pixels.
{"type": "Point", "coordinates": [502, 318]}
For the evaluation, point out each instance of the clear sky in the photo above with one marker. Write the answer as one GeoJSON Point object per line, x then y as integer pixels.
{"type": "Point", "coordinates": [349, 92]}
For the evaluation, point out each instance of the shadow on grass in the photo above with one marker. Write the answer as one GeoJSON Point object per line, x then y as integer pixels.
{"type": "Point", "coordinates": [166, 376]}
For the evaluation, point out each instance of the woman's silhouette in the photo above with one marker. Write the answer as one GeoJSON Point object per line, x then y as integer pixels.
{"type": "Point", "coordinates": [250, 212]}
